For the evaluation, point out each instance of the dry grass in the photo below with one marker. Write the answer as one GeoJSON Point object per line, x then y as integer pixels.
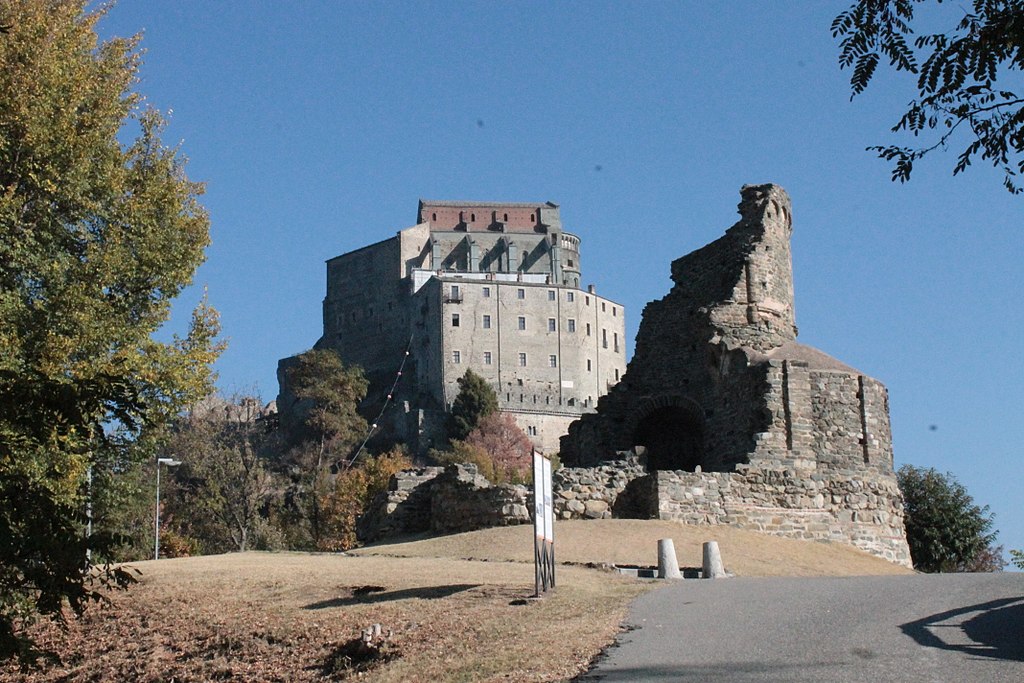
{"type": "Point", "coordinates": [627, 541]}
{"type": "Point", "coordinates": [287, 616]}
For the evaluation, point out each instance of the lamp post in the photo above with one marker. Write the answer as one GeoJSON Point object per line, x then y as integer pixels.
{"type": "Point", "coordinates": [170, 462]}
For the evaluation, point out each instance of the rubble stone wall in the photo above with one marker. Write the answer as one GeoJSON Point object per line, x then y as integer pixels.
{"type": "Point", "coordinates": [853, 508]}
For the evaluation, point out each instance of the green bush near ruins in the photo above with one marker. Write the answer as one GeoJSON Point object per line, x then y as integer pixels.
{"type": "Point", "coordinates": [476, 400]}
{"type": "Point", "coordinates": [946, 531]}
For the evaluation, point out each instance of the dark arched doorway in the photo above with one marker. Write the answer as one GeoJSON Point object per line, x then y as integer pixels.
{"type": "Point", "coordinates": [673, 437]}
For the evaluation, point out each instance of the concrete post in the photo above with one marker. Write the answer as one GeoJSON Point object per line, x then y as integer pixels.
{"type": "Point", "coordinates": [668, 564]}
{"type": "Point", "coordinates": [712, 566]}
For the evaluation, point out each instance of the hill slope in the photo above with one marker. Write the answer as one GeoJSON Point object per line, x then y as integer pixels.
{"type": "Point", "coordinates": [291, 616]}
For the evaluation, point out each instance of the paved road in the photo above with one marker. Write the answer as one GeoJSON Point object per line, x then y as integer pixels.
{"type": "Point", "coordinates": [941, 628]}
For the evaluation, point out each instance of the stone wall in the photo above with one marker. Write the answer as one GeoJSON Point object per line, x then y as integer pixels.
{"type": "Point", "coordinates": [855, 508]}
{"type": "Point", "coordinates": [443, 500]}
{"type": "Point", "coordinates": [862, 510]}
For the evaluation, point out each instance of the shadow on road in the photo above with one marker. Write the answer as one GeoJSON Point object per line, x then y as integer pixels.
{"type": "Point", "coordinates": [993, 631]}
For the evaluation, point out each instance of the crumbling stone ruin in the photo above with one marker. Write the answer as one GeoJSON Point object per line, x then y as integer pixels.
{"type": "Point", "coordinates": [722, 417]}
{"type": "Point", "coordinates": [740, 423]}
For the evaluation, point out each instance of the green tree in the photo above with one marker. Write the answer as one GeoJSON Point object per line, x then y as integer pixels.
{"type": "Point", "coordinates": [957, 70]}
{"type": "Point", "coordinates": [475, 400]}
{"type": "Point", "coordinates": [223, 486]}
{"type": "Point", "coordinates": [328, 395]}
{"type": "Point", "coordinates": [96, 239]}
{"type": "Point", "coordinates": [946, 531]}
{"type": "Point", "coordinates": [1017, 557]}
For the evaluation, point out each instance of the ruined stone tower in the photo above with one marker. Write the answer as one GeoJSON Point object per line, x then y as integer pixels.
{"type": "Point", "coordinates": [738, 422]}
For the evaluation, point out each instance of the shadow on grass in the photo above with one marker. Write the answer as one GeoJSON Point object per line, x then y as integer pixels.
{"type": "Point", "coordinates": [992, 626]}
{"type": "Point", "coordinates": [370, 597]}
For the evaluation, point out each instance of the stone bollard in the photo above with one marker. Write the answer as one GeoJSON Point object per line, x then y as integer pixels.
{"type": "Point", "coordinates": [712, 566]}
{"type": "Point", "coordinates": [668, 564]}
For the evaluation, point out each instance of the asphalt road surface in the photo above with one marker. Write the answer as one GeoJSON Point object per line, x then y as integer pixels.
{"type": "Point", "coordinates": [942, 628]}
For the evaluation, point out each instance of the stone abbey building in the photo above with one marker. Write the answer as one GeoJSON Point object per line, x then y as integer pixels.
{"type": "Point", "coordinates": [492, 287]}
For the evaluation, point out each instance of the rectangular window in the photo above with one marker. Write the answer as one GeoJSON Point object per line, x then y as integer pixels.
{"type": "Point", "coordinates": [487, 358]}
{"type": "Point", "coordinates": [455, 291]}
{"type": "Point", "coordinates": [522, 322]}
{"type": "Point", "coordinates": [552, 326]}
{"type": "Point", "coordinates": [602, 307]}
{"type": "Point", "coordinates": [615, 311]}
{"type": "Point", "coordinates": [456, 357]}
{"type": "Point", "coordinates": [522, 360]}
{"type": "Point", "coordinates": [455, 319]}
{"type": "Point", "coordinates": [588, 365]}
{"type": "Point", "coordinates": [615, 341]}
{"type": "Point", "coordinates": [552, 361]}
{"type": "Point", "coordinates": [588, 329]}
{"type": "Point", "coordinates": [572, 324]}
{"type": "Point", "coordinates": [531, 430]}
{"type": "Point", "coordinates": [520, 293]}
{"type": "Point", "coordinates": [587, 299]}
{"type": "Point", "coordinates": [616, 374]}
{"type": "Point", "coordinates": [487, 292]}
{"type": "Point", "coordinates": [487, 322]}
{"type": "Point", "coordinates": [570, 296]}
{"type": "Point", "coordinates": [604, 338]}
{"type": "Point", "coordinates": [551, 295]}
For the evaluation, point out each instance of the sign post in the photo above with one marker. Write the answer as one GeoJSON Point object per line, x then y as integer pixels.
{"type": "Point", "coordinates": [543, 526]}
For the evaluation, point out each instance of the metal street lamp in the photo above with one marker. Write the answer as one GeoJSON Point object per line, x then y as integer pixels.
{"type": "Point", "coordinates": [170, 462]}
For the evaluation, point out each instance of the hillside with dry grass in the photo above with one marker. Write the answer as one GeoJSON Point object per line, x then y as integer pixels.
{"type": "Point", "coordinates": [452, 608]}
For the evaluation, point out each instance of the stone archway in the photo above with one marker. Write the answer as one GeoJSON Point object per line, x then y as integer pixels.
{"type": "Point", "coordinates": [671, 428]}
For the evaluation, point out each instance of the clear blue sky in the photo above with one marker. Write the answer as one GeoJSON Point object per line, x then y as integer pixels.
{"type": "Point", "coordinates": [318, 125]}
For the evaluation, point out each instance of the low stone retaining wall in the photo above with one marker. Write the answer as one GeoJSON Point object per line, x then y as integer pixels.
{"type": "Point", "coordinates": [443, 500]}
{"type": "Point", "coordinates": [597, 492]}
{"type": "Point", "coordinates": [865, 511]}
{"type": "Point", "coordinates": [857, 508]}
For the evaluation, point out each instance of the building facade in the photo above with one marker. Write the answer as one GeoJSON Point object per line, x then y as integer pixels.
{"type": "Point", "coordinates": [492, 287]}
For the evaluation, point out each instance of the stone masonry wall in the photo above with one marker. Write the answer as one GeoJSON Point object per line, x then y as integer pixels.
{"type": "Point", "coordinates": [443, 500]}
{"type": "Point", "coordinates": [842, 506]}
{"type": "Point", "coordinates": [853, 508]}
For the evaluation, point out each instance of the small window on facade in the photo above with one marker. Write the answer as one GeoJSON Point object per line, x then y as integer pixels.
{"type": "Point", "coordinates": [587, 300]}
{"type": "Point", "coordinates": [456, 357]}
{"type": "Point", "coordinates": [531, 430]}
{"type": "Point", "coordinates": [602, 307]}
{"type": "Point", "coordinates": [506, 218]}
{"type": "Point", "coordinates": [570, 296]}
{"type": "Point", "coordinates": [455, 319]}
{"type": "Point", "coordinates": [588, 329]}
{"type": "Point", "coordinates": [570, 263]}
{"type": "Point", "coordinates": [455, 291]}
{"type": "Point", "coordinates": [552, 325]}
{"type": "Point", "coordinates": [522, 322]}
{"type": "Point", "coordinates": [615, 311]}
{"type": "Point", "coordinates": [604, 338]}
{"type": "Point", "coordinates": [487, 292]}
{"type": "Point", "coordinates": [616, 374]}
{"type": "Point", "coordinates": [520, 293]}
{"type": "Point", "coordinates": [572, 324]}
{"type": "Point", "coordinates": [551, 295]}
{"type": "Point", "coordinates": [472, 216]}
{"type": "Point", "coordinates": [552, 361]}
{"type": "Point", "coordinates": [487, 322]}
{"type": "Point", "coordinates": [615, 340]}
{"type": "Point", "coordinates": [522, 360]}
{"type": "Point", "coordinates": [531, 216]}
{"type": "Point", "coordinates": [487, 360]}
{"type": "Point", "coordinates": [588, 365]}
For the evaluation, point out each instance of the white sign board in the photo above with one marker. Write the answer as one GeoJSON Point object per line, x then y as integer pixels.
{"type": "Point", "coordinates": [549, 506]}
{"type": "Point", "coordinates": [539, 509]}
